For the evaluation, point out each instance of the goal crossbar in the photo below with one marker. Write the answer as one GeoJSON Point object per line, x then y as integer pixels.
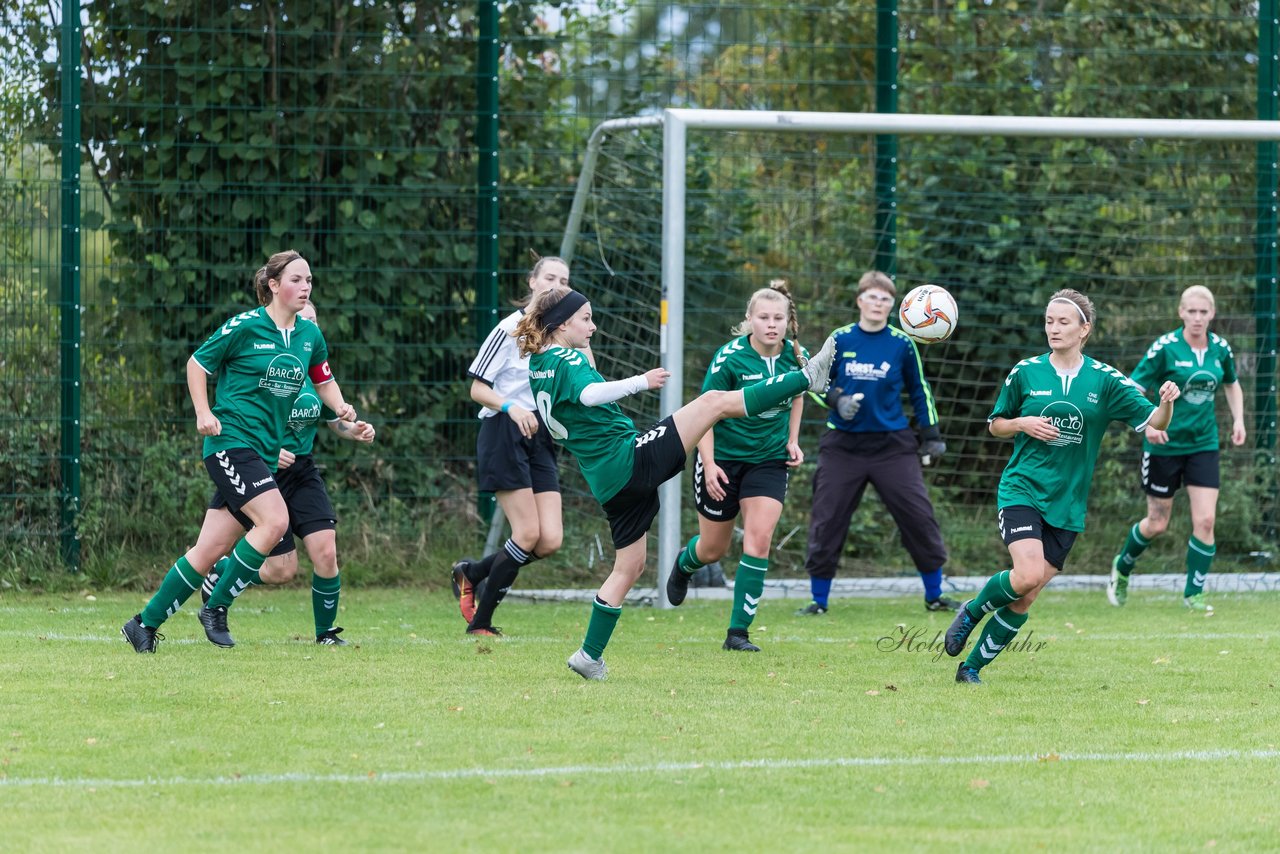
{"type": "Point", "coordinates": [675, 124]}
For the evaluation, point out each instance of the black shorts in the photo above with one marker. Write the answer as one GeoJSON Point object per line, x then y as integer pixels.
{"type": "Point", "coordinates": [310, 509]}
{"type": "Point", "coordinates": [239, 475]}
{"type": "Point", "coordinates": [1162, 475]}
{"type": "Point", "coordinates": [660, 456]}
{"type": "Point", "coordinates": [1025, 523]}
{"type": "Point", "coordinates": [506, 460]}
{"type": "Point", "coordinates": [766, 479]}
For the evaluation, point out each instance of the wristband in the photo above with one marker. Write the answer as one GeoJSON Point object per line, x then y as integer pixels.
{"type": "Point", "coordinates": [506, 404]}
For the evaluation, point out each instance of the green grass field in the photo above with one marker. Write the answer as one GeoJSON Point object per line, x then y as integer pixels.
{"type": "Point", "coordinates": [1147, 728]}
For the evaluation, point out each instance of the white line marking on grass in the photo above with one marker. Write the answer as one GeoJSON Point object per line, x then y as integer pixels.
{"type": "Point", "coordinates": [626, 768]}
{"type": "Point", "coordinates": [694, 643]}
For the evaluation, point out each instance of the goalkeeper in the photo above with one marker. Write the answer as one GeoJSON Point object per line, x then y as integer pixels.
{"type": "Point", "coordinates": [869, 441]}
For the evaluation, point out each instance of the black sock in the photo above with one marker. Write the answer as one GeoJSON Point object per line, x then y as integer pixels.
{"type": "Point", "coordinates": [478, 570]}
{"type": "Point", "coordinates": [502, 571]}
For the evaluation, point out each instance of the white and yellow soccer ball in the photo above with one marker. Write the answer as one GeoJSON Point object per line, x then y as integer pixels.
{"type": "Point", "coordinates": [928, 314]}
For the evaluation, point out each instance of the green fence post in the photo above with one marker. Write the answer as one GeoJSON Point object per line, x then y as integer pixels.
{"type": "Point", "coordinates": [69, 298]}
{"type": "Point", "coordinates": [487, 188]}
{"type": "Point", "coordinates": [886, 175]}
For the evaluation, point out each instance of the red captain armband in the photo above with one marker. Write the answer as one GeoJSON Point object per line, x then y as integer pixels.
{"type": "Point", "coordinates": [321, 374]}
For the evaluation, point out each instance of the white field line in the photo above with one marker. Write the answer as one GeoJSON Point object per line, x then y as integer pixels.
{"type": "Point", "coordinates": [1056, 636]}
{"type": "Point", "coordinates": [621, 769]}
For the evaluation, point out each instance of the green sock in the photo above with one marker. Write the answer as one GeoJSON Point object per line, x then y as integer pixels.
{"type": "Point", "coordinates": [688, 558]}
{"type": "Point", "coordinates": [1199, 559]}
{"type": "Point", "coordinates": [766, 394]}
{"type": "Point", "coordinates": [1134, 545]}
{"type": "Point", "coordinates": [178, 585]}
{"type": "Point", "coordinates": [603, 618]}
{"type": "Point", "coordinates": [242, 572]}
{"type": "Point", "coordinates": [996, 593]}
{"type": "Point", "coordinates": [748, 587]}
{"type": "Point", "coordinates": [324, 601]}
{"type": "Point", "coordinates": [996, 634]}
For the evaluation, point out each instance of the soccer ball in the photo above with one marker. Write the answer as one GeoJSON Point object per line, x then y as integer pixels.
{"type": "Point", "coordinates": [928, 314]}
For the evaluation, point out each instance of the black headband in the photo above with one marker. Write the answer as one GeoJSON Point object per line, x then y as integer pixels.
{"type": "Point", "coordinates": [563, 310]}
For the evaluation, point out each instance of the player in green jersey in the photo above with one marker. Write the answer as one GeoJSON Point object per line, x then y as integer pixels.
{"type": "Point", "coordinates": [743, 463]}
{"type": "Point", "coordinates": [261, 358]}
{"type": "Point", "coordinates": [1056, 407]}
{"type": "Point", "coordinates": [1200, 362]}
{"type": "Point", "coordinates": [624, 467]}
{"type": "Point", "coordinates": [311, 515]}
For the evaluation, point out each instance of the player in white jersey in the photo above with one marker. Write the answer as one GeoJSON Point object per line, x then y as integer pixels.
{"type": "Point", "coordinates": [515, 460]}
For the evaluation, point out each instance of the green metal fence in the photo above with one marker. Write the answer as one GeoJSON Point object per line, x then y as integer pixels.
{"type": "Point", "coordinates": [365, 136]}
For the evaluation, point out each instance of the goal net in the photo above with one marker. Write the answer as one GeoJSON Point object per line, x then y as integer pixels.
{"type": "Point", "coordinates": [1000, 211]}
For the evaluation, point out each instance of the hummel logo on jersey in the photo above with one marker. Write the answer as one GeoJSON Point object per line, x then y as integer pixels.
{"type": "Point", "coordinates": [725, 352]}
{"type": "Point", "coordinates": [1039, 393]}
{"type": "Point", "coordinates": [542, 375]}
{"type": "Point", "coordinates": [753, 376]}
{"type": "Point", "coordinates": [260, 346]}
{"type": "Point", "coordinates": [573, 357]}
{"type": "Point", "coordinates": [1178, 364]}
{"type": "Point", "coordinates": [230, 325]}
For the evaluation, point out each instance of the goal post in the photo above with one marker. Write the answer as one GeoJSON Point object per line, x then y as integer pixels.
{"type": "Point", "coordinates": [677, 124]}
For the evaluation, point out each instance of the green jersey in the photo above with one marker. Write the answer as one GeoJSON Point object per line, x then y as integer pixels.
{"type": "Point", "coordinates": [761, 437]}
{"type": "Point", "coordinates": [304, 417]}
{"type": "Point", "coordinates": [1054, 477]}
{"type": "Point", "coordinates": [261, 369]}
{"type": "Point", "coordinates": [601, 437]}
{"type": "Point", "coordinates": [1198, 374]}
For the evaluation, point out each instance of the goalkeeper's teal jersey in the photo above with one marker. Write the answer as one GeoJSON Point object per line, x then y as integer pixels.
{"type": "Point", "coordinates": [1054, 477]}
{"type": "Point", "coordinates": [601, 437]}
{"type": "Point", "coordinates": [1198, 374]}
{"type": "Point", "coordinates": [761, 437]}
{"type": "Point", "coordinates": [261, 368]}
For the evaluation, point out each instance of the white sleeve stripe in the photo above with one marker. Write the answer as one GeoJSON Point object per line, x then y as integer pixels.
{"type": "Point", "coordinates": [202, 367]}
{"type": "Point", "coordinates": [488, 352]}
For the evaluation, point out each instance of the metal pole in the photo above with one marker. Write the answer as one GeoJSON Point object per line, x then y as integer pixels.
{"type": "Point", "coordinates": [486, 281]}
{"type": "Point", "coordinates": [886, 169]}
{"type": "Point", "coordinates": [1264, 303]}
{"type": "Point", "coordinates": [671, 341]}
{"type": "Point", "coordinates": [588, 173]}
{"type": "Point", "coordinates": [789, 121]}
{"type": "Point", "coordinates": [69, 298]}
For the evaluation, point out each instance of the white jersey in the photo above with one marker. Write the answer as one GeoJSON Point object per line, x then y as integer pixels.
{"type": "Point", "coordinates": [500, 366]}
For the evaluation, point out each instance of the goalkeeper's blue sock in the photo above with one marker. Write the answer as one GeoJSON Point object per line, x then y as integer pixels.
{"type": "Point", "coordinates": [932, 584]}
{"type": "Point", "coordinates": [821, 588]}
